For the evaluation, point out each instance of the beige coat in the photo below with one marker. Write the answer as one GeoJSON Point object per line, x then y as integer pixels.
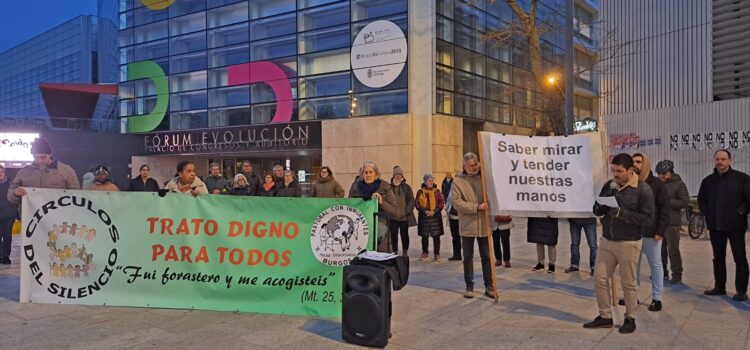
{"type": "Point", "coordinates": [198, 185]}
{"type": "Point", "coordinates": [471, 222]}
{"type": "Point", "coordinates": [109, 186]}
{"type": "Point", "coordinates": [57, 175]}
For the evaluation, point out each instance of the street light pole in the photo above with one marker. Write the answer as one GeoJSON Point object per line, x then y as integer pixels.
{"type": "Point", "coordinates": [569, 57]}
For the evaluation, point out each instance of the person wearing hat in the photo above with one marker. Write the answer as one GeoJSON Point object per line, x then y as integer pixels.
{"type": "Point", "coordinates": [44, 172]}
{"type": "Point", "coordinates": [430, 203]}
{"type": "Point", "coordinates": [678, 200]}
{"type": "Point", "coordinates": [399, 224]}
{"type": "Point", "coordinates": [102, 182]}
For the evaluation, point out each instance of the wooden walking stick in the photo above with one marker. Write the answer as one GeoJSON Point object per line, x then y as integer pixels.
{"type": "Point", "coordinates": [487, 218]}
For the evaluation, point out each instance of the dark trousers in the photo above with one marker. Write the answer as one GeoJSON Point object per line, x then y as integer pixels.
{"type": "Point", "coordinates": [455, 237]}
{"type": "Point", "coordinates": [670, 251]}
{"type": "Point", "coordinates": [6, 226]}
{"type": "Point", "coordinates": [504, 236]}
{"type": "Point", "coordinates": [737, 243]}
{"type": "Point", "coordinates": [399, 226]}
{"type": "Point", "coordinates": [484, 254]}
{"type": "Point", "coordinates": [435, 244]}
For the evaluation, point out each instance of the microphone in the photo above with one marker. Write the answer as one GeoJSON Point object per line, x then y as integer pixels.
{"type": "Point", "coordinates": [612, 188]}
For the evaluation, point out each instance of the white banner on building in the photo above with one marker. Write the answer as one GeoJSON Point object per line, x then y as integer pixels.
{"type": "Point", "coordinates": [541, 176]}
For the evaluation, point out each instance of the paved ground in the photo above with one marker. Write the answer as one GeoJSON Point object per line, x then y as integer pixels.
{"type": "Point", "coordinates": [537, 310]}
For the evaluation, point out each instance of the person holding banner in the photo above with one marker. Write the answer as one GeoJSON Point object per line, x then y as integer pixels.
{"type": "Point", "coordinates": [143, 183]}
{"type": "Point", "coordinates": [241, 187]}
{"type": "Point", "coordinates": [45, 172]}
{"type": "Point", "coordinates": [8, 214]}
{"type": "Point", "coordinates": [429, 203]}
{"type": "Point", "coordinates": [623, 223]}
{"type": "Point", "coordinates": [186, 181]}
{"type": "Point", "coordinates": [469, 202]}
{"type": "Point", "coordinates": [369, 186]}
{"type": "Point", "coordinates": [268, 189]}
{"type": "Point", "coordinates": [216, 183]}
{"type": "Point", "coordinates": [326, 186]}
{"type": "Point", "coordinates": [102, 182]}
{"type": "Point", "coordinates": [289, 187]}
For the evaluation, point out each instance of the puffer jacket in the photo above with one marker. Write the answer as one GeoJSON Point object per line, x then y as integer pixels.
{"type": "Point", "coordinates": [542, 231]}
{"type": "Point", "coordinates": [678, 196]}
{"type": "Point", "coordinates": [326, 187]}
{"type": "Point", "coordinates": [430, 226]}
{"type": "Point", "coordinates": [635, 213]}
{"type": "Point", "coordinates": [662, 213]}
{"type": "Point", "coordinates": [725, 200]}
{"type": "Point", "coordinates": [57, 175]}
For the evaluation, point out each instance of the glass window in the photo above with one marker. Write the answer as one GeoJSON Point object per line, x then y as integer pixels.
{"type": "Point", "coordinates": [187, 43]}
{"type": "Point", "coordinates": [325, 108]}
{"type": "Point", "coordinates": [144, 105]}
{"type": "Point", "coordinates": [469, 15]}
{"type": "Point", "coordinates": [444, 100]}
{"type": "Point", "coordinates": [229, 116]}
{"type": "Point", "coordinates": [228, 15]}
{"type": "Point", "coordinates": [274, 26]}
{"type": "Point", "coordinates": [263, 93]}
{"type": "Point", "coordinates": [468, 38]}
{"type": "Point", "coordinates": [127, 108]}
{"type": "Point", "coordinates": [445, 8]}
{"type": "Point", "coordinates": [187, 81]}
{"type": "Point", "coordinates": [468, 84]}
{"type": "Point", "coordinates": [498, 70]}
{"type": "Point", "coordinates": [126, 37]}
{"type": "Point", "coordinates": [127, 55]}
{"type": "Point", "coordinates": [125, 5]}
{"type": "Point", "coordinates": [126, 20]}
{"type": "Point", "coordinates": [151, 50]}
{"type": "Point", "coordinates": [497, 91]}
{"type": "Point", "coordinates": [444, 53]}
{"type": "Point", "coordinates": [378, 103]}
{"type": "Point", "coordinates": [126, 90]}
{"type": "Point", "coordinates": [217, 3]}
{"type": "Point", "coordinates": [499, 113]}
{"type": "Point", "coordinates": [182, 7]}
{"type": "Point", "coordinates": [288, 65]}
{"type": "Point", "coordinates": [262, 114]}
{"type": "Point", "coordinates": [399, 20]}
{"type": "Point", "coordinates": [444, 29]}
{"type": "Point", "coordinates": [469, 61]}
{"type": "Point", "coordinates": [229, 96]}
{"type": "Point", "coordinates": [525, 118]}
{"type": "Point", "coordinates": [325, 85]}
{"type": "Point", "coordinates": [150, 32]}
{"type": "Point", "coordinates": [145, 15]}
{"type": "Point", "coordinates": [265, 8]}
{"type": "Point", "coordinates": [188, 120]}
{"type": "Point", "coordinates": [187, 24]}
{"type": "Point", "coordinates": [444, 78]}
{"type": "Point", "coordinates": [324, 16]}
{"type": "Point", "coordinates": [324, 62]}
{"type": "Point", "coordinates": [468, 106]}
{"type": "Point", "coordinates": [400, 82]}
{"type": "Point", "coordinates": [188, 63]}
{"type": "Point", "coordinates": [311, 3]}
{"type": "Point", "coordinates": [188, 101]}
{"type": "Point", "coordinates": [498, 50]}
{"type": "Point", "coordinates": [583, 107]}
{"type": "Point", "coordinates": [367, 9]}
{"type": "Point", "coordinates": [218, 77]}
{"type": "Point", "coordinates": [229, 55]}
{"type": "Point", "coordinates": [228, 35]}
{"type": "Point", "coordinates": [144, 87]}
{"type": "Point", "coordinates": [273, 48]}
{"type": "Point", "coordinates": [324, 39]}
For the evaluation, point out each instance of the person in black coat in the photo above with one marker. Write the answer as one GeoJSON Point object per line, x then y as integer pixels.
{"type": "Point", "coordinates": [290, 187]}
{"type": "Point", "coordinates": [724, 199]}
{"type": "Point", "coordinates": [543, 232]}
{"type": "Point", "coordinates": [429, 202]}
{"type": "Point", "coordinates": [268, 188]}
{"type": "Point", "coordinates": [8, 214]}
{"type": "Point", "coordinates": [143, 183]}
{"type": "Point", "coordinates": [241, 187]}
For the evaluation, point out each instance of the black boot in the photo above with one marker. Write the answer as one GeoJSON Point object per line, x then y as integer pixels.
{"type": "Point", "coordinates": [655, 305]}
{"type": "Point", "coordinates": [628, 326]}
{"type": "Point", "coordinates": [715, 291]}
{"type": "Point", "coordinates": [599, 322]}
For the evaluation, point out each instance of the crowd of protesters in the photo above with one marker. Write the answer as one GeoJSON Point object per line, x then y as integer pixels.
{"type": "Point", "coordinates": [646, 221]}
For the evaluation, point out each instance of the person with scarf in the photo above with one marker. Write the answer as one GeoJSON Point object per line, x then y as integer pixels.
{"type": "Point", "coordinates": [405, 206]}
{"type": "Point", "coordinates": [369, 186]}
{"type": "Point", "coordinates": [429, 203]}
{"type": "Point", "coordinates": [326, 186]}
{"type": "Point", "coordinates": [268, 189]}
{"type": "Point", "coordinates": [102, 182]}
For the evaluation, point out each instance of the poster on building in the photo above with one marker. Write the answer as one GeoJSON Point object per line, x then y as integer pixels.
{"type": "Point", "coordinates": [554, 176]}
{"type": "Point", "coordinates": [216, 252]}
{"type": "Point", "coordinates": [15, 149]}
{"type": "Point", "coordinates": [378, 53]}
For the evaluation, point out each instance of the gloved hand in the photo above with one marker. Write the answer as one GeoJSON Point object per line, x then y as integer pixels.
{"type": "Point", "coordinates": [163, 192]}
{"type": "Point", "coordinates": [613, 211]}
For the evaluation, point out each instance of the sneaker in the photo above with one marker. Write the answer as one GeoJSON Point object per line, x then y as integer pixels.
{"type": "Point", "coordinates": [438, 258]}
{"type": "Point", "coordinates": [571, 269]}
{"type": "Point", "coordinates": [507, 264]}
{"type": "Point", "coordinates": [628, 326]}
{"type": "Point", "coordinates": [715, 291]}
{"type": "Point", "coordinates": [655, 305]}
{"type": "Point", "coordinates": [599, 322]}
{"type": "Point", "coordinates": [489, 293]}
{"type": "Point", "coordinates": [454, 258]}
{"type": "Point", "coordinates": [498, 263]}
{"type": "Point", "coordinates": [676, 279]}
{"type": "Point", "coordinates": [424, 257]}
{"type": "Point", "coordinates": [666, 277]}
{"type": "Point", "coordinates": [551, 268]}
{"type": "Point", "coordinates": [740, 297]}
{"type": "Point", "coordinates": [469, 293]}
{"type": "Point", "coordinates": [5, 260]}
{"type": "Point", "coordinates": [538, 267]}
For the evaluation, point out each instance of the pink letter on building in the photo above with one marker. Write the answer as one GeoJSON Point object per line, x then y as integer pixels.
{"type": "Point", "coordinates": [272, 75]}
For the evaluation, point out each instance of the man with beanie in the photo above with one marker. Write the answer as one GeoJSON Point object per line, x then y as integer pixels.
{"type": "Point", "coordinates": [678, 196]}
{"type": "Point", "coordinates": [405, 208]}
{"type": "Point", "coordinates": [45, 172]}
{"type": "Point", "coordinates": [469, 202]}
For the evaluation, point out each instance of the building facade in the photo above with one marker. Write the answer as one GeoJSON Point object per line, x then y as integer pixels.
{"type": "Point", "coordinates": [306, 83]}
{"type": "Point", "coordinates": [681, 90]}
{"type": "Point", "coordinates": [81, 50]}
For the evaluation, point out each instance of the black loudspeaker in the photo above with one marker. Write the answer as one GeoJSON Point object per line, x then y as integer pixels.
{"type": "Point", "coordinates": [366, 306]}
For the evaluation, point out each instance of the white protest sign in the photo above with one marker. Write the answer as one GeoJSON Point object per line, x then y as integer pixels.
{"type": "Point", "coordinates": [539, 176]}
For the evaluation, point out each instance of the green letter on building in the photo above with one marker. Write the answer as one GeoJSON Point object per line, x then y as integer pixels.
{"type": "Point", "coordinates": [149, 70]}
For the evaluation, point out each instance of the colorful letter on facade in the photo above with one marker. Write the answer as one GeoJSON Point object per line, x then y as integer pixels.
{"type": "Point", "coordinates": [272, 75]}
{"type": "Point", "coordinates": [157, 4]}
{"type": "Point", "coordinates": [149, 70]}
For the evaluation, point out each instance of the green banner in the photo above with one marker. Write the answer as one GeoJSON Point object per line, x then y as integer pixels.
{"type": "Point", "coordinates": [215, 252]}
